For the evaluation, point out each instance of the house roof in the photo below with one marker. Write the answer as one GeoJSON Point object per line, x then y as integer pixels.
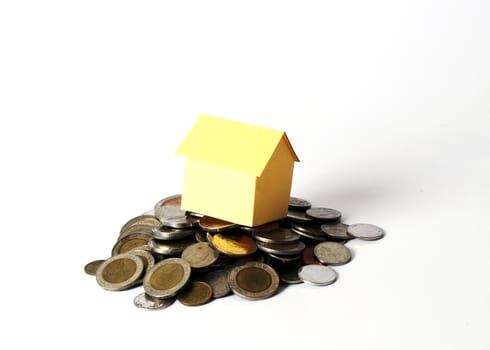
{"type": "Point", "coordinates": [231, 144]}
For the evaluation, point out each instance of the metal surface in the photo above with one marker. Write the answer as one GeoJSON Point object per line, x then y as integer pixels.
{"type": "Point", "coordinates": [200, 255]}
{"type": "Point", "coordinates": [324, 214]}
{"type": "Point", "coordinates": [254, 281]}
{"type": "Point", "coordinates": [332, 253]}
{"type": "Point", "coordinates": [120, 272]}
{"type": "Point", "coordinates": [196, 294]}
{"type": "Point", "coordinates": [210, 224]}
{"type": "Point", "coordinates": [218, 280]}
{"type": "Point", "coordinates": [318, 275]}
{"type": "Point", "coordinates": [282, 249]}
{"type": "Point", "coordinates": [167, 278]}
{"type": "Point", "coordinates": [278, 236]}
{"type": "Point", "coordinates": [296, 203]}
{"type": "Point", "coordinates": [145, 301]}
{"type": "Point", "coordinates": [92, 266]}
{"type": "Point", "coordinates": [366, 232]}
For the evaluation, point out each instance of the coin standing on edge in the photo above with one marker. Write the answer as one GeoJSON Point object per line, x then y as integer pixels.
{"type": "Point", "coordinates": [196, 294]}
{"type": "Point", "coordinates": [332, 253]}
{"type": "Point", "coordinates": [200, 255]}
{"type": "Point", "coordinates": [318, 275]}
{"type": "Point", "coordinates": [91, 267]}
{"type": "Point", "coordinates": [366, 232]}
{"type": "Point", "coordinates": [120, 272]}
{"type": "Point", "coordinates": [167, 278]}
{"type": "Point", "coordinates": [145, 301]}
{"type": "Point", "coordinates": [253, 281]}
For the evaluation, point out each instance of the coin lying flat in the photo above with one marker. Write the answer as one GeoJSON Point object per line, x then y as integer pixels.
{"type": "Point", "coordinates": [366, 232]}
{"type": "Point", "coordinates": [308, 256]}
{"type": "Point", "coordinates": [278, 236]}
{"type": "Point", "coordinates": [296, 203]}
{"type": "Point", "coordinates": [200, 255]}
{"type": "Point", "coordinates": [169, 247]}
{"type": "Point", "coordinates": [120, 272]}
{"type": "Point", "coordinates": [254, 281]}
{"type": "Point", "coordinates": [148, 220]}
{"type": "Point", "coordinates": [312, 232]}
{"type": "Point", "coordinates": [200, 236]}
{"type": "Point", "coordinates": [285, 259]}
{"type": "Point", "coordinates": [289, 275]}
{"type": "Point", "coordinates": [129, 242]}
{"type": "Point", "coordinates": [92, 266]}
{"type": "Point", "coordinates": [318, 275]}
{"type": "Point", "coordinates": [174, 200]}
{"type": "Point", "coordinates": [332, 253]}
{"type": "Point", "coordinates": [211, 224]}
{"type": "Point", "coordinates": [174, 216]}
{"type": "Point", "coordinates": [167, 278]}
{"type": "Point", "coordinates": [143, 229]}
{"type": "Point", "coordinates": [324, 214]}
{"type": "Point", "coordinates": [196, 294]}
{"type": "Point", "coordinates": [148, 302]}
{"type": "Point", "coordinates": [218, 280]}
{"type": "Point", "coordinates": [294, 248]}
{"type": "Point", "coordinates": [336, 231]}
{"type": "Point", "coordinates": [233, 244]}
{"type": "Point", "coordinates": [299, 216]}
{"type": "Point", "coordinates": [169, 233]}
{"type": "Point", "coordinates": [268, 227]}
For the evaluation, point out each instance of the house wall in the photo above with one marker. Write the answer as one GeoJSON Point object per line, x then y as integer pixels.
{"type": "Point", "coordinates": [274, 186]}
{"type": "Point", "coordinates": [218, 192]}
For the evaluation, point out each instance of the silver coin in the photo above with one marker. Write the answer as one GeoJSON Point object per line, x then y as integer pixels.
{"type": "Point", "coordinates": [296, 203]}
{"type": "Point", "coordinates": [278, 236]}
{"type": "Point", "coordinates": [200, 255]}
{"type": "Point", "coordinates": [299, 216]}
{"type": "Point", "coordinates": [308, 235]}
{"type": "Point", "coordinates": [173, 216]}
{"type": "Point", "coordinates": [332, 253]}
{"type": "Point", "coordinates": [289, 275]}
{"type": "Point", "coordinates": [365, 232]}
{"type": "Point", "coordinates": [285, 259]}
{"type": "Point", "coordinates": [137, 228]}
{"type": "Point", "coordinates": [268, 227]}
{"type": "Point", "coordinates": [145, 301]}
{"type": "Point", "coordinates": [218, 280]}
{"type": "Point", "coordinates": [174, 200]}
{"type": "Point", "coordinates": [169, 233]}
{"type": "Point", "coordinates": [145, 219]}
{"type": "Point", "coordinates": [311, 230]}
{"type": "Point", "coordinates": [294, 248]}
{"type": "Point", "coordinates": [318, 275]}
{"type": "Point", "coordinates": [169, 247]}
{"type": "Point", "coordinates": [324, 214]}
{"type": "Point", "coordinates": [336, 231]}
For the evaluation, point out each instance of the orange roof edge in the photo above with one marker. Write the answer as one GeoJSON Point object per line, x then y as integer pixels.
{"type": "Point", "coordinates": [293, 153]}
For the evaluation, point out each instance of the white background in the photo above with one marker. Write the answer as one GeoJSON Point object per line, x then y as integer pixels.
{"type": "Point", "coordinates": [387, 104]}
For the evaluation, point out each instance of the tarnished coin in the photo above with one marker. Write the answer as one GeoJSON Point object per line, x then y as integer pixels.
{"type": "Point", "coordinates": [296, 203]}
{"type": "Point", "coordinates": [218, 280]}
{"type": "Point", "coordinates": [147, 258]}
{"type": "Point", "coordinates": [174, 200]}
{"type": "Point", "coordinates": [309, 257]}
{"type": "Point", "coordinates": [233, 244]}
{"type": "Point", "coordinates": [299, 216]}
{"type": "Point", "coordinates": [167, 278]}
{"type": "Point", "coordinates": [200, 255]}
{"type": "Point", "coordinates": [254, 281]}
{"type": "Point", "coordinates": [324, 214]}
{"type": "Point", "coordinates": [168, 233]}
{"type": "Point", "coordinates": [169, 247]}
{"type": "Point", "coordinates": [318, 275]}
{"type": "Point", "coordinates": [294, 248]}
{"type": "Point", "coordinates": [278, 236]}
{"type": "Point", "coordinates": [148, 302]}
{"type": "Point", "coordinates": [143, 229]}
{"type": "Point", "coordinates": [268, 227]}
{"type": "Point", "coordinates": [92, 266]}
{"type": "Point", "coordinates": [149, 220]}
{"type": "Point", "coordinates": [309, 231]}
{"type": "Point", "coordinates": [289, 275]}
{"type": "Point", "coordinates": [120, 272]}
{"type": "Point", "coordinates": [196, 294]}
{"type": "Point", "coordinates": [336, 231]}
{"type": "Point", "coordinates": [129, 242]}
{"type": "Point", "coordinates": [200, 236]}
{"type": "Point", "coordinates": [366, 232]}
{"type": "Point", "coordinates": [211, 224]}
{"type": "Point", "coordinates": [332, 253]}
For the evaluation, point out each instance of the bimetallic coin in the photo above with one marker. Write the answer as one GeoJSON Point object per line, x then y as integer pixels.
{"type": "Point", "coordinates": [200, 255]}
{"type": "Point", "coordinates": [218, 280]}
{"type": "Point", "coordinates": [289, 275]}
{"type": "Point", "coordinates": [366, 232]}
{"type": "Point", "coordinates": [336, 231]}
{"type": "Point", "coordinates": [318, 275]}
{"type": "Point", "coordinates": [129, 242]}
{"type": "Point", "coordinates": [294, 248]}
{"type": "Point", "coordinates": [147, 258]}
{"type": "Point", "coordinates": [299, 216]}
{"type": "Point", "coordinates": [167, 278]}
{"type": "Point", "coordinates": [168, 233]}
{"type": "Point", "coordinates": [296, 203]}
{"type": "Point", "coordinates": [309, 257]}
{"type": "Point", "coordinates": [149, 220]}
{"type": "Point", "coordinates": [145, 301]}
{"type": "Point", "coordinates": [169, 247]}
{"type": "Point", "coordinates": [332, 253]}
{"type": "Point", "coordinates": [196, 294]}
{"type": "Point", "coordinates": [324, 214]}
{"type": "Point", "coordinates": [92, 266]}
{"type": "Point", "coordinates": [278, 236]}
{"type": "Point", "coordinates": [254, 281]}
{"type": "Point", "coordinates": [211, 224]}
{"type": "Point", "coordinates": [268, 227]}
{"type": "Point", "coordinates": [120, 272]}
{"type": "Point", "coordinates": [233, 244]}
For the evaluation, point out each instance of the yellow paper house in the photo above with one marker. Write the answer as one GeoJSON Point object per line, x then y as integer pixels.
{"type": "Point", "coordinates": [237, 172]}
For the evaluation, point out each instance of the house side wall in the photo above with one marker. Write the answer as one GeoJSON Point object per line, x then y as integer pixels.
{"type": "Point", "coordinates": [274, 187]}
{"type": "Point", "coordinates": [218, 192]}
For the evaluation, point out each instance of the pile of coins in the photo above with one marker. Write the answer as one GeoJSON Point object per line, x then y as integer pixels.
{"type": "Point", "coordinates": [183, 255]}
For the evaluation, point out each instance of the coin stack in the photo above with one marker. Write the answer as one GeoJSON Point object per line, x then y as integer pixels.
{"type": "Point", "coordinates": [182, 255]}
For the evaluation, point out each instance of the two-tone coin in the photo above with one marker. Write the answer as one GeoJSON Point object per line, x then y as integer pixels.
{"type": "Point", "coordinates": [92, 267]}
{"type": "Point", "coordinates": [365, 232]}
{"type": "Point", "coordinates": [200, 255]}
{"type": "Point", "coordinates": [143, 229]}
{"type": "Point", "coordinates": [147, 220]}
{"type": "Point", "coordinates": [323, 214]}
{"type": "Point", "coordinates": [253, 281]}
{"type": "Point", "coordinates": [218, 280]}
{"type": "Point", "coordinates": [278, 236]}
{"type": "Point", "coordinates": [296, 203]}
{"type": "Point", "coordinates": [196, 294]}
{"type": "Point", "coordinates": [332, 253]}
{"type": "Point", "coordinates": [167, 278]}
{"type": "Point", "coordinates": [145, 301]}
{"type": "Point", "coordinates": [293, 248]}
{"type": "Point", "coordinates": [120, 272]}
{"type": "Point", "coordinates": [318, 275]}
{"type": "Point", "coordinates": [147, 258]}
{"type": "Point", "coordinates": [210, 224]}
{"type": "Point", "coordinates": [233, 244]}
{"type": "Point", "coordinates": [129, 242]}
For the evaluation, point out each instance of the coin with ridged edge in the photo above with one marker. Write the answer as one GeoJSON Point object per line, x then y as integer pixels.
{"type": "Point", "coordinates": [120, 272]}
{"type": "Point", "coordinates": [196, 294]}
{"type": "Point", "coordinates": [129, 242]}
{"type": "Point", "coordinates": [210, 224]}
{"type": "Point", "coordinates": [233, 244]}
{"type": "Point", "coordinates": [278, 236]}
{"type": "Point", "coordinates": [332, 253]}
{"type": "Point", "coordinates": [254, 281]}
{"type": "Point", "coordinates": [299, 216]}
{"type": "Point", "coordinates": [365, 232]}
{"type": "Point", "coordinates": [200, 255]}
{"type": "Point", "coordinates": [324, 214]}
{"type": "Point", "coordinates": [145, 301]}
{"type": "Point", "coordinates": [317, 275]}
{"type": "Point", "coordinates": [169, 247]}
{"type": "Point", "coordinates": [148, 220]}
{"type": "Point", "coordinates": [294, 248]}
{"type": "Point", "coordinates": [148, 259]}
{"type": "Point", "coordinates": [167, 278]}
{"type": "Point", "coordinates": [168, 233]}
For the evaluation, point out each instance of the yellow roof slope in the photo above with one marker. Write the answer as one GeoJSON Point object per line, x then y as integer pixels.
{"type": "Point", "coordinates": [231, 144]}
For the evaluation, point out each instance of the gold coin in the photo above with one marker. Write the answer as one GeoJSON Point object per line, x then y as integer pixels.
{"type": "Point", "coordinates": [120, 272]}
{"type": "Point", "coordinates": [211, 224]}
{"type": "Point", "coordinates": [197, 293]}
{"type": "Point", "coordinates": [254, 281]}
{"type": "Point", "coordinates": [167, 278]}
{"type": "Point", "coordinates": [129, 242]}
{"type": "Point", "coordinates": [233, 244]}
{"type": "Point", "coordinates": [149, 220]}
{"type": "Point", "coordinates": [92, 266]}
{"type": "Point", "coordinates": [200, 255]}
